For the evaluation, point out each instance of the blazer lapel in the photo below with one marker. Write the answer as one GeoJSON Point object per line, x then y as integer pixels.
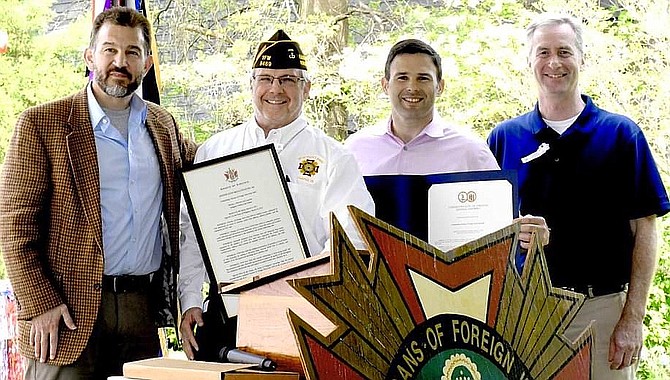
{"type": "Point", "coordinates": [84, 162]}
{"type": "Point", "coordinates": [163, 145]}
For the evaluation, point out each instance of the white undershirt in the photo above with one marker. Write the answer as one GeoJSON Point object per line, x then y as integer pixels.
{"type": "Point", "coordinates": [561, 126]}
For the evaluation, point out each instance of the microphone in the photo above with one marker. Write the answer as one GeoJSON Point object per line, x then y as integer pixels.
{"type": "Point", "coordinates": [233, 355]}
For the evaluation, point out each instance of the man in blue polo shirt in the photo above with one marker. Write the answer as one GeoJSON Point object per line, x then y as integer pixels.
{"type": "Point", "coordinates": [591, 174]}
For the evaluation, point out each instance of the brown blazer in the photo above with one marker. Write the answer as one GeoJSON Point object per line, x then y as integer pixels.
{"type": "Point", "coordinates": [50, 217]}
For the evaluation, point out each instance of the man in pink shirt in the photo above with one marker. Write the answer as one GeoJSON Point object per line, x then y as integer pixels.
{"type": "Point", "coordinates": [415, 139]}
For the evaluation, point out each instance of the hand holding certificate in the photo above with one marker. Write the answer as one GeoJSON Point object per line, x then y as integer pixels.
{"type": "Point", "coordinates": [243, 214]}
{"type": "Point", "coordinates": [446, 210]}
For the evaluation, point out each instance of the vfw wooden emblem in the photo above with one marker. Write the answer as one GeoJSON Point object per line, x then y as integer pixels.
{"type": "Point", "coordinates": [415, 312]}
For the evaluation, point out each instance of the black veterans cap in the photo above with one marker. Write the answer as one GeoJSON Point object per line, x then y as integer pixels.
{"type": "Point", "coordinates": [279, 52]}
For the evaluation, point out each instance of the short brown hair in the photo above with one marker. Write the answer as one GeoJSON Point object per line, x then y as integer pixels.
{"type": "Point", "coordinates": [413, 46]}
{"type": "Point", "coordinates": [122, 16]}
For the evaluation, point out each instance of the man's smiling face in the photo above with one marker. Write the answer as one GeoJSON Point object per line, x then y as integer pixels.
{"type": "Point", "coordinates": [555, 60]}
{"type": "Point", "coordinates": [278, 104]}
{"type": "Point", "coordinates": [412, 86]}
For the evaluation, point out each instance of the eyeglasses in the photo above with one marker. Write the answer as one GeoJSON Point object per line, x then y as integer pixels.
{"type": "Point", "coordinates": [284, 80]}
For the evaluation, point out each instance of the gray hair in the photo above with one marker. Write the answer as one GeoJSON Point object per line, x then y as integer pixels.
{"type": "Point", "coordinates": [548, 19]}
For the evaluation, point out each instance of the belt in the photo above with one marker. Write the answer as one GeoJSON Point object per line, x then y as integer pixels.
{"type": "Point", "coordinates": [126, 283]}
{"type": "Point", "coordinates": [591, 291]}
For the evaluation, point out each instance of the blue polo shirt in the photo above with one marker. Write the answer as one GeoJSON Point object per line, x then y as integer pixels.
{"type": "Point", "coordinates": [588, 184]}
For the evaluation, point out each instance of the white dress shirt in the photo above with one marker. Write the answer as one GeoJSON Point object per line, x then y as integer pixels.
{"type": "Point", "coordinates": [330, 181]}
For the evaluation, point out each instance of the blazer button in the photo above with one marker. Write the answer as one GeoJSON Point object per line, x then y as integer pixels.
{"type": "Point", "coordinates": [97, 286]}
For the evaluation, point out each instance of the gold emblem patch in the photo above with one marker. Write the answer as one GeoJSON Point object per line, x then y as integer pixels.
{"type": "Point", "coordinates": [308, 167]}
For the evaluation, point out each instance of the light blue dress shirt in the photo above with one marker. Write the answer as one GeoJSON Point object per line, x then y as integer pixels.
{"type": "Point", "coordinates": [131, 192]}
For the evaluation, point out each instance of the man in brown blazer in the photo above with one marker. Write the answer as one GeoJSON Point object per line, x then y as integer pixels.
{"type": "Point", "coordinates": [89, 214]}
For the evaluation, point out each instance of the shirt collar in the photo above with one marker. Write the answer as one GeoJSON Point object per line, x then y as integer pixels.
{"type": "Point", "coordinates": [581, 124]}
{"type": "Point", "coordinates": [434, 129]}
{"type": "Point", "coordinates": [138, 110]}
{"type": "Point", "coordinates": [280, 135]}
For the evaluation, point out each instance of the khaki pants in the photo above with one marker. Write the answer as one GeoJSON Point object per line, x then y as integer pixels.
{"type": "Point", "coordinates": [605, 312]}
{"type": "Point", "coordinates": [125, 331]}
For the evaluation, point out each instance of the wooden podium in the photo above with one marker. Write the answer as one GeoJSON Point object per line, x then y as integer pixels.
{"type": "Point", "coordinates": [412, 311]}
{"type": "Point", "coordinates": [263, 325]}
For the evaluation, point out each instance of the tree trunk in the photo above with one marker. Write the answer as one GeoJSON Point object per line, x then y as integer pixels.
{"type": "Point", "coordinates": [333, 8]}
{"type": "Point", "coordinates": [336, 116]}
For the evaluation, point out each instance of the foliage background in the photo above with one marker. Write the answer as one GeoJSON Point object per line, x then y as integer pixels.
{"type": "Point", "coordinates": [205, 49]}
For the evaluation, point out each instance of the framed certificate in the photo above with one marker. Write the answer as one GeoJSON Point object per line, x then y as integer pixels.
{"type": "Point", "coordinates": [446, 210]}
{"type": "Point", "coordinates": [243, 215]}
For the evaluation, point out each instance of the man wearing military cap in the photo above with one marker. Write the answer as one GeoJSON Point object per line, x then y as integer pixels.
{"type": "Point", "coordinates": [322, 176]}
{"type": "Point", "coordinates": [279, 53]}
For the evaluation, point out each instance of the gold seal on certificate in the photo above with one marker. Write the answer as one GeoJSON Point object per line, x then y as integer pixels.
{"type": "Point", "coordinates": [243, 214]}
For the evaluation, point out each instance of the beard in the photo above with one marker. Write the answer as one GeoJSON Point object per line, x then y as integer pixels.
{"type": "Point", "coordinates": [117, 90]}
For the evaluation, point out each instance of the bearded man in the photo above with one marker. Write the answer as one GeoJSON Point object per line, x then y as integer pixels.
{"type": "Point", "coordinates": [89, 214]}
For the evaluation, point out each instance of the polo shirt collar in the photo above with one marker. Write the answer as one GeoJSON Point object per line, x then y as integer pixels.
{"type": "Point", "coordinates": [590, 109]}
{"type": "Point", "coordinates": [581, 124]}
